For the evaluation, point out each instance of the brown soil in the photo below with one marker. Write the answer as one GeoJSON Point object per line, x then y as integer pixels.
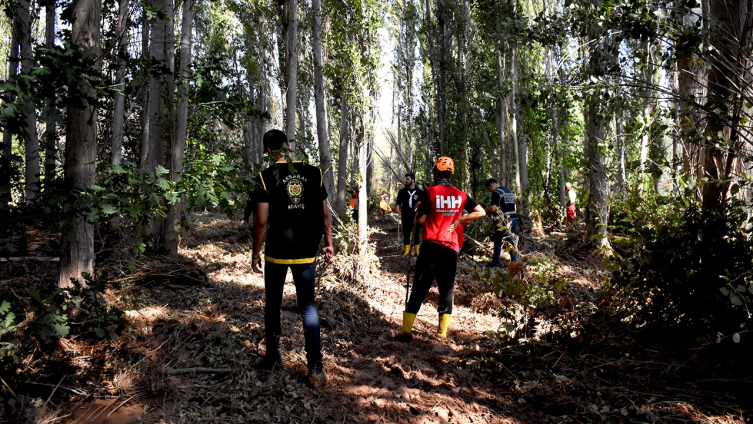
{"type": "Point", "coordinates": [205, 309]}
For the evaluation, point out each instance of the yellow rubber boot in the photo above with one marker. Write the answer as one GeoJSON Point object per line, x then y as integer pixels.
{"type": "Point", "coordinates": [418, 248]}
{"type": "Point", "coordinates": [407, 249]}
{"type": "Point", "coordinates": [444, 323]}
{"type": "Point", "coordinates": [404, 335]}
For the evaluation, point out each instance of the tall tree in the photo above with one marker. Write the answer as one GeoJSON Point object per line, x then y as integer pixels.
{"type": "Point", "coordinates": [292, 72]}
{"type": "Point", "coordinates": [51, 118]}
{"type": "Point", "coordinates": [342, 161]}
{"type": "Point", "coordinates": [179, 144]}
{"type": "Point", "coordinates": [77, 247]}
{"type": "Point", "coordinates": [325, 150]}
{"type": "Point", "coordinates": [6, 169]}
{"type": "Point", "coordinates": [31, 141]}
{"type": "Point", "coordinates": [118, 117]}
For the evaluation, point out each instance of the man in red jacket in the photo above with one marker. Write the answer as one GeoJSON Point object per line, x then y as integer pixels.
{"type": "Point", "coordinates": [441, 211]}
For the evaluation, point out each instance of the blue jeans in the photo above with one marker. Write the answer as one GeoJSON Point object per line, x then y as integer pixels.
{"type": "Point", "coordinates": [304, 276]}
{"type": "Point", "coordinates": [500, 237]}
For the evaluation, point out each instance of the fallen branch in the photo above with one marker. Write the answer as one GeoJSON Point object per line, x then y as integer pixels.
{"type": "Point", "coordinates": [478, 243]}
{"type": "Point", "coordinates": [30, 258]}
{"type": "Point", "coordinates": [199, 370]}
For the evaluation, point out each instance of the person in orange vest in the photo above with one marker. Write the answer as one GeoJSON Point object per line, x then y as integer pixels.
{"type": "Point", "coordinates": [384, 204]}
{"type": "Point", "coordinates": [441, 211]}
{"type": "Point", "coordinates": [353, 205]}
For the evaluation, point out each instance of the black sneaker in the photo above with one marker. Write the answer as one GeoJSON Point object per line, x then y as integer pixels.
{"type": "Point", "coordinates": [267, 363]}
{"type": "Point", "coordinates": [317, 375]}
{"type": "Point", "coordinates": [404, 337]}
{"type": "Point", "coordinates": [492, 265]}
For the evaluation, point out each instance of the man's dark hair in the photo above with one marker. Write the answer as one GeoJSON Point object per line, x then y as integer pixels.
{"type": "Point", "coordinates": [443, 175]}
{"type": "Point", "coordinates": [275, 139]}
{"type": "Point", "coordinates": [411, 175]}
{"type": "Point", "coordinates": [490, 181]}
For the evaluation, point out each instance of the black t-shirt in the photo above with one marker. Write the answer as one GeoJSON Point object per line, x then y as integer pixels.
{"type": "Point", "coordinates": [296, 213]}
{"type": "Point", "coordinates": [425, 207]}
{"type": "Point", "coordinates": [407, 199]}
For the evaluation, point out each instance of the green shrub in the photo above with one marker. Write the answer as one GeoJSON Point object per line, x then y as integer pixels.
{"type": "Point", "coordinates": [693, 272]}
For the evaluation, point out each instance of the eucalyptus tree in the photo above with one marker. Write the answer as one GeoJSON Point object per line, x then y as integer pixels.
{"type": "Point", "coordinates": [181, 129]}
{"type": "Point", "coordinates": [7, 154]}
{"type": "Point", "coordinates": [29, 131]}
{"type": "Point", "coordinates": [325, 149]}
{"type": "Point", "coordinates": [77, 247]}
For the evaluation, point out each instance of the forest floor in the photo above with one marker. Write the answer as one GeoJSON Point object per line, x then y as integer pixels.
{"type": "Point", "coordinates": [204, 309]}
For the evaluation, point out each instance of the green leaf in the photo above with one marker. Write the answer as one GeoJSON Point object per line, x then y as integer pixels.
{"type": "Point", "coordinates": [724, 291]}
{"type": "Point", "coordinates": [740, 288]}
{"type": "Point", "coordinates": [61, 330]}
{"type": "Point", "coordinates": [736, 337]}
{"type": "Point", "coordinates": [4, 307]}
{"type": "Point", "coordinates": [161, 170]}
{"type": "Point", "coordinates": [8, 320]}
{"type": "Point", "coordinates": [109, 209]}
{"type": "Point", "coordinates": [735, 300]}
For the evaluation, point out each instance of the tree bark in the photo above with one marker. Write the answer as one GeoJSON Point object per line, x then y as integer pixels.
{"type": "Point", "coordinates": [118, 118]}
{"type": "Point", "coordinates": [342, 160]}
{"type": "Point", "coordinates": [732, 21]}
{"type": "Point", "coordinates": [292, 72]}
{"type": "Point", "coordinates": [514, 124]}
{"type": "Point", "coordinates": [433, 63]}
{"type": "Point", "coordinates": [31, 141]}
{"type": "Point", "coordinates": [501, 119]}
{"type": "Point", "coordinates": [7, 162]}
{"type": "Point", "coordinates": [597, 170]}
{"type": "Point", "coordinates": [172, 238]}
{"type": "Point", "coordinates": [50, 130]}
{"type": "Point", "coordinates": [325, 150]}
{"type": "Point", "coordinates": [144, 136]}
{"type": "Point", "coordinates": [77, 248]}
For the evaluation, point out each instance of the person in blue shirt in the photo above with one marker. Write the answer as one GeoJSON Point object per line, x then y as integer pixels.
{"type": "Point", "coordinates": [505, 216]}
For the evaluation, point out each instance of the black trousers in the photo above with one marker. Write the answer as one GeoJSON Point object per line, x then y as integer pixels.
{"type": "Point", "coordinates": [408, 216]}
{"type": "Point", "coordinates": [435, 262]}
{"type": "Point", "coordinates": [304, 276]}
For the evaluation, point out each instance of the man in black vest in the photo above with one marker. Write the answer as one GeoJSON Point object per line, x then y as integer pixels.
{"type": "Point", "coordinates": [292, 211]}
{"type": "Point", "coordinates": [407, 199]}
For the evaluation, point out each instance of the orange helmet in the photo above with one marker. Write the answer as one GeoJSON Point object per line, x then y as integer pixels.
{"type": "Point", "coordinates": [444, 164]}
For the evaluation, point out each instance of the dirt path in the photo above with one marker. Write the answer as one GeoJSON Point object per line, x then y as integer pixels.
{"type": "Point", "coordinates": [205, 310]}
{"type": "Point", "coordinates": [372, 378]}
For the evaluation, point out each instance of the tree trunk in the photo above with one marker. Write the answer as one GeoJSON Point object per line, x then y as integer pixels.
{"type": "Point", "coordinates": [144, 136]}
{"type": "Point", "coordinates": [514, 126]}
{"type": "Point", "coordinates": [501, 120]}
{"type": "Point", "coordinates": [325, 150]}
{"type": "Point", "coordinates": [342, 160]}
{"type": "Point", "coordinates": [169, 122]}
{"type": "Point", "coordinates": [647, 112]}
{"type": "Point", "coordinates": [363, 195]}
{"type": "Point", "coordinates": [732, 22]}
{"type": "Point", "coordinates": [433, 63]}
{"type": "Point", "coordinates": [118, 119]}
{"type": "Point", "coordinates": [597, 170]}
{"type": "Point", "coordinates": [292, 72]}
{"type": "Point", "coordinates": [172, 238]}
{"type": "Point", "coordinates": [7, 163]}
{"type": "Point", "coordinates": [155, 105]}
{"type": "Point", "coordinates": [50, 130]}
{"type": "Point", "coordinates": [77, 248]}
{"type": "Point", "coordinates": [31, 142]}
{"type": "Point", "coordinates": [156, 116]}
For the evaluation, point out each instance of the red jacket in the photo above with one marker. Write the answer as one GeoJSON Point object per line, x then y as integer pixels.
{"type": "Point", "coordinates": [446, 206]}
